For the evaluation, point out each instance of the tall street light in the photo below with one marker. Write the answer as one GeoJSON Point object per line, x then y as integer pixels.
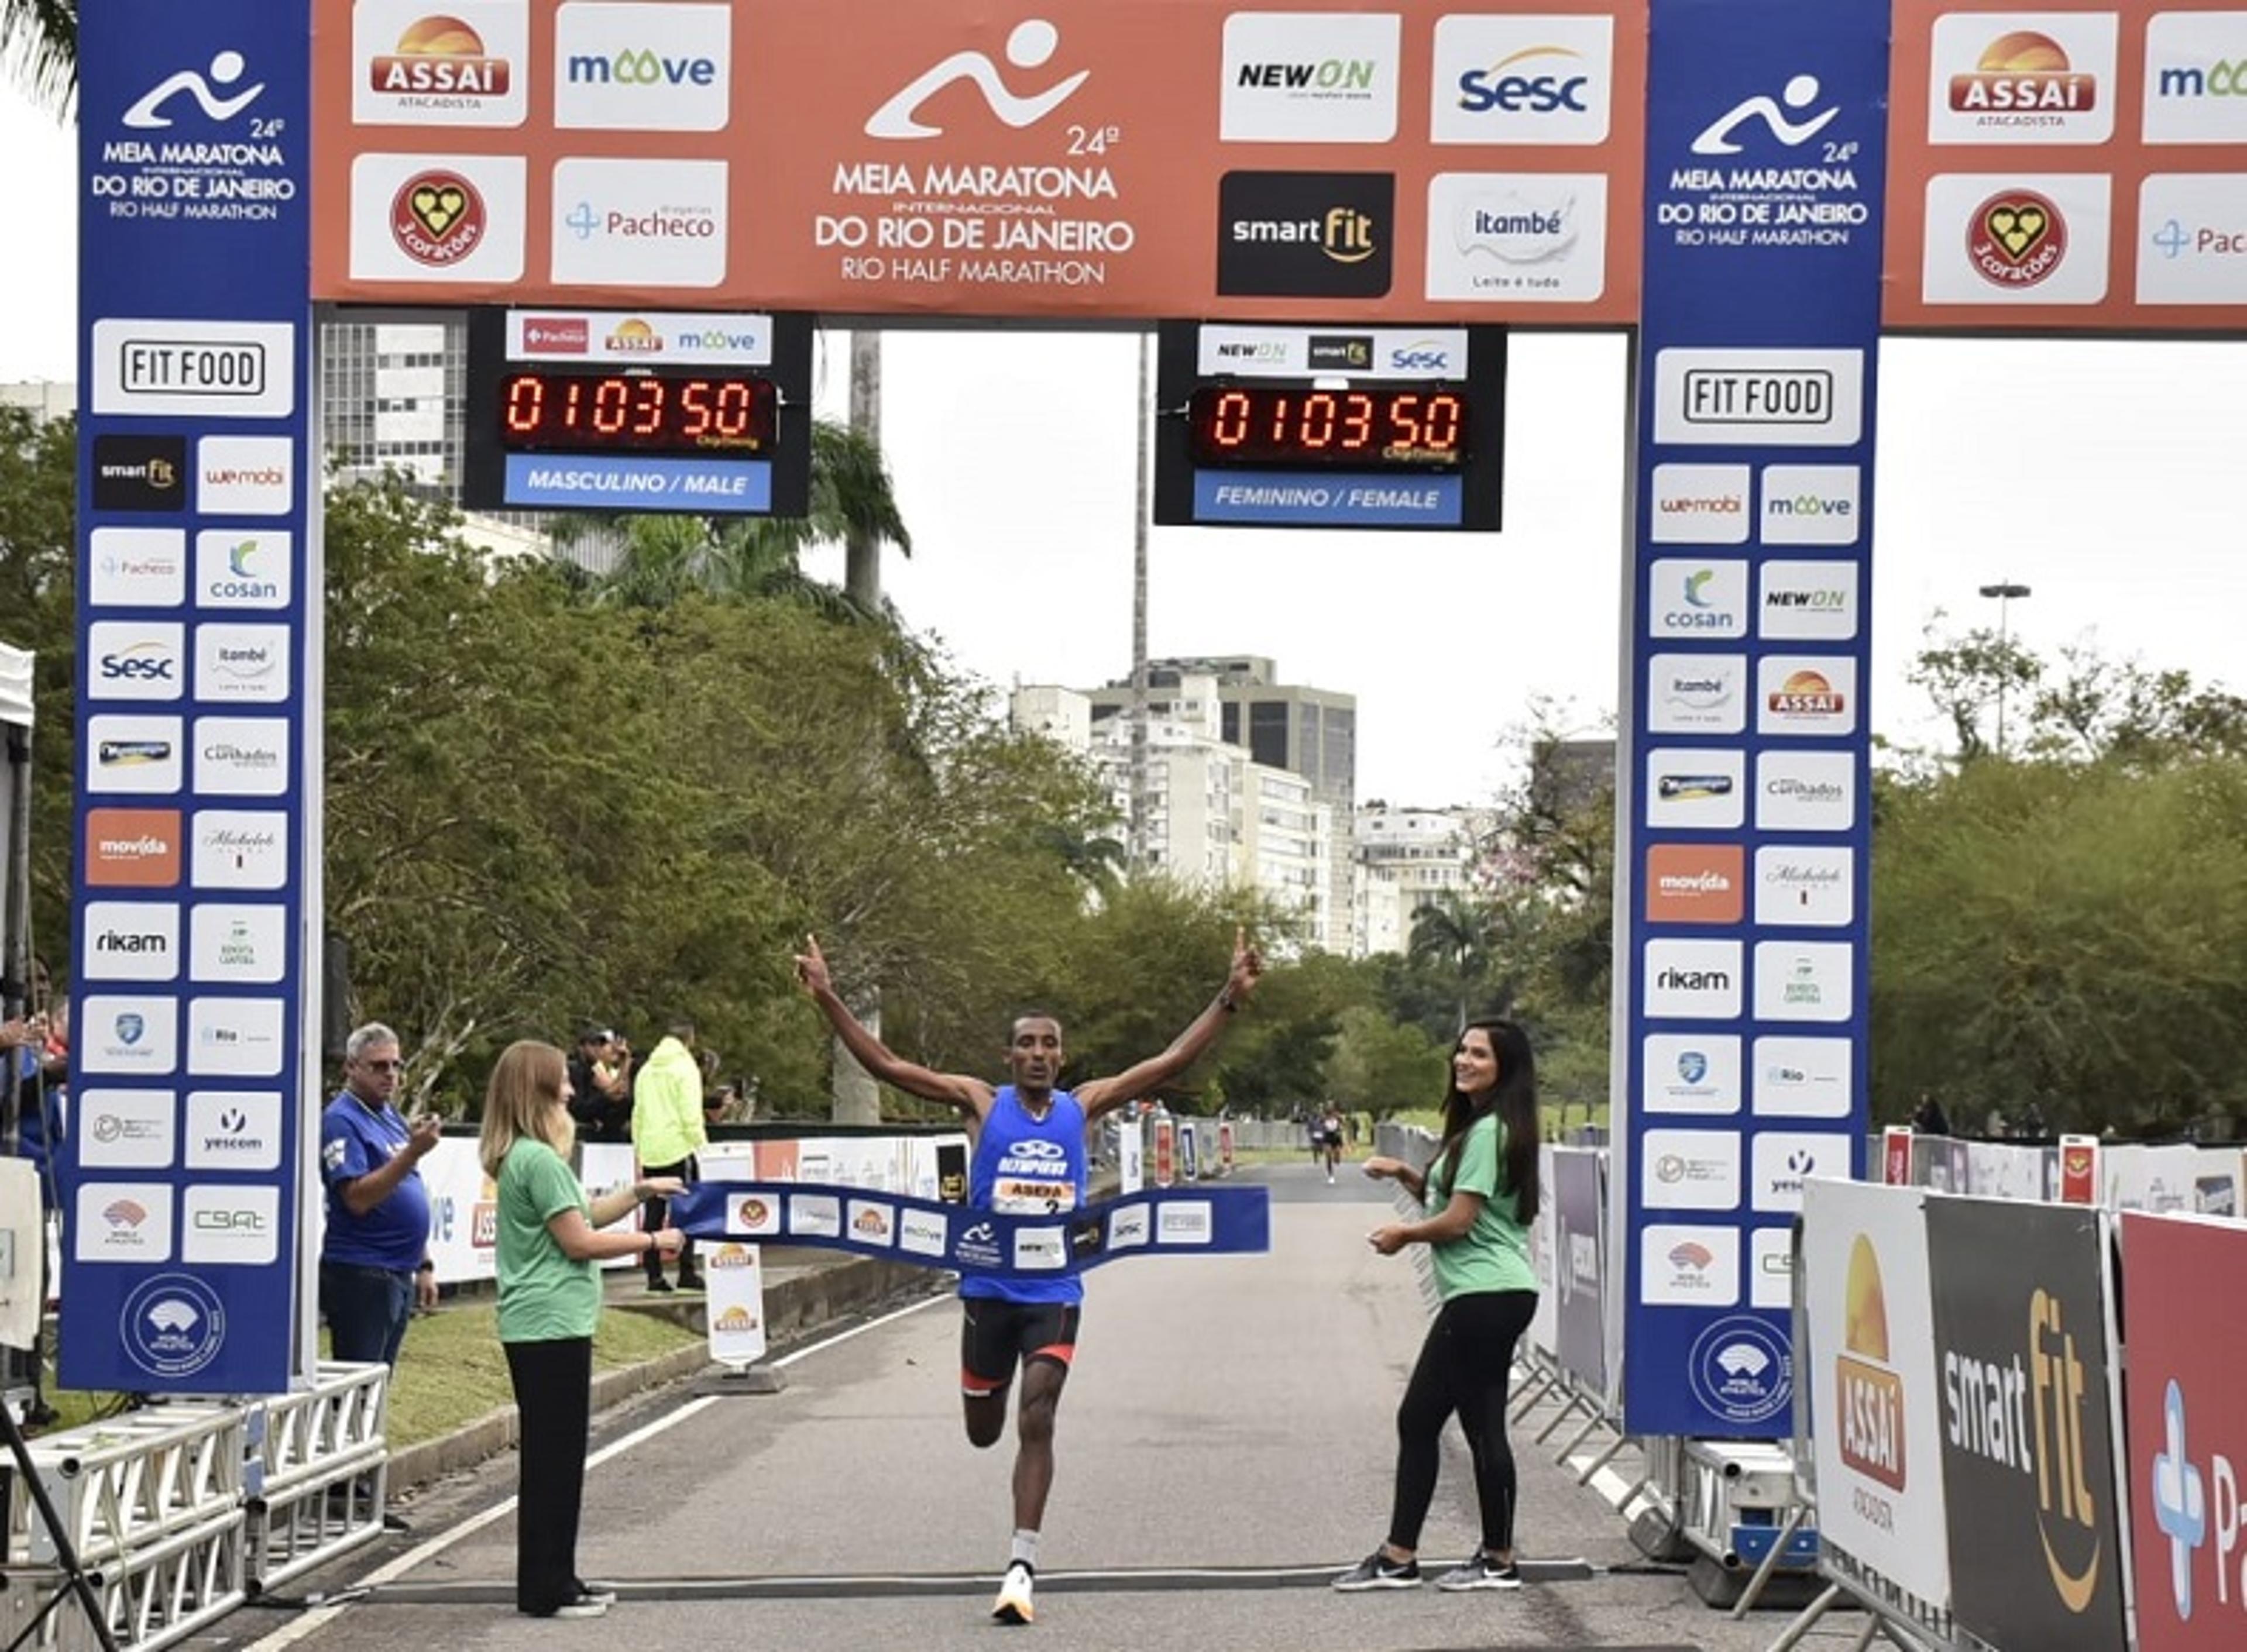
{"type": "Point", "coordinates": [2006, 592]}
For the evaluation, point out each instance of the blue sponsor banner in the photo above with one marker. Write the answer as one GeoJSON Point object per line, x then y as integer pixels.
{"type": "Point", "coordinates": [1747, 765]}
{"type": "Point", "coordinates": [1316, 500]}
{"type": "Point", "coordinates": [610, 482]}
{"type": "Point", "coordinates": [926, 1234]}
{"type": "Point", "coordinates": [196, 569]}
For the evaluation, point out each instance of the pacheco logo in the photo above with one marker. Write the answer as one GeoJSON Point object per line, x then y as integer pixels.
{"type": "Point", "coordinates": [437, 218]}
{"type": "Point", "coordinates": [2016, 239]}
{"type": "Point", "coordinates": [1871, 1394]}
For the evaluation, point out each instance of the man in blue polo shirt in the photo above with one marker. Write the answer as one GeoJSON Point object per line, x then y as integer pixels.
{"type": "Point", "coordinates": [375, 1260]}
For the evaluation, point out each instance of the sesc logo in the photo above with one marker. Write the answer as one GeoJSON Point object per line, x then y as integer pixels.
{"type": "Point", "coordinates": [639, 223]}
{"type": "Point", "coordinates": [423, 68]}
{"type": "Point", "coordinates": [134, 660]}
{"type": "Point", "coordinates": [1696, 693]}
{"type": "Point", "coordinates": [1522, 80]}
{"type": "Point", "coordinates": [1692, 980]}
{"type": "Point", "coordinates": [642, 67]}
{"type": "Point", "coordinates": [1534, 237]}
{"type": "Point", "coordinates": [1309, 235]}
{"type": "Point", "coordinates": [2195, 77]}
{"type": "Point", "coordinates": [137, 567]}
{"type": "Point", "coordinates": [2043, 80]}
{"type": "Point", "coordinates": [1309, 78]}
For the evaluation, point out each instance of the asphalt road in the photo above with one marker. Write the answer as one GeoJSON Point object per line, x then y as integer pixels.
{"type": "Point", "coordinates": [1226, 1444]}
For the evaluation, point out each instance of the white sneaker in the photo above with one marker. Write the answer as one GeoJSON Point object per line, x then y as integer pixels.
{"type": "Point", "coordinates": [1013, 1605]}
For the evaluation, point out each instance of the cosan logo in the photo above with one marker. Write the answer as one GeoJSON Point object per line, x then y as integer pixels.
{"type": "Point", "coordinates": [1343, 233]}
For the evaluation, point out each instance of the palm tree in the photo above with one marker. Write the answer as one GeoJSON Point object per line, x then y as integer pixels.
{"type": "Point", "coordinates": [39, 42]}
{"type": "Point", "coordinates": [661, 559]}
{"type": "Point", "coordinates": [1452, 933]}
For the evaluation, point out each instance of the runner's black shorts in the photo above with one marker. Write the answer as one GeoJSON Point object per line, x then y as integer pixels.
{"type": "Point", "coordinates": [995, 1335]}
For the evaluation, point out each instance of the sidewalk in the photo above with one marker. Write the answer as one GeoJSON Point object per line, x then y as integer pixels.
{"type": "Point", "coordinates": [805, 1290]}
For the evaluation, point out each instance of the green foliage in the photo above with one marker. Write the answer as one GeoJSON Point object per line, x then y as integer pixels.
{"type": "Point", "coordinates": [1380, 1065]}
{"type": "Point", "coordinates": [39, 516]}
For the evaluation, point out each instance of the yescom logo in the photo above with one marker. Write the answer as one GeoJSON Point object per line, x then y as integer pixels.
{"type": "Point", "coordinates": [1871, 1394]}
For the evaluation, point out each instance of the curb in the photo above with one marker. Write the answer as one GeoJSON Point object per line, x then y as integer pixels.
{"type": "Point", "coordinates": [797, 1307]}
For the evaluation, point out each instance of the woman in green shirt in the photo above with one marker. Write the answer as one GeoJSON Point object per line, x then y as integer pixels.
{"type": "Point", "coordinates": [1479, 1195]}
{"type": "Point", "coordinates": [549, 1298]}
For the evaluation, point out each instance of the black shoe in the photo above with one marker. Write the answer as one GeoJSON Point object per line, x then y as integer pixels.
{"type": "Point", "coordinates": [1377, 1571]}
{"type": "Point", "coordinates": [691, 1282]}
{"type": "Point", "coordinates": [598, 1593]}
{"type": "Point", "coordinates": [660, 1285]}
{"type": "Point", "coordinates": [398, 1524]}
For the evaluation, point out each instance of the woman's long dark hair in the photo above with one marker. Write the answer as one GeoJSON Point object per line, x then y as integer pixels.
{"type": "Point", "coordinates": [1514, 1101]}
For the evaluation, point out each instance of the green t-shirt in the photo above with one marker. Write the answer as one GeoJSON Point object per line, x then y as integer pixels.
{"type": "Point", "coordinates": [543, 1296]}
{"type": "Point", "coordinates": [1494, 1254]}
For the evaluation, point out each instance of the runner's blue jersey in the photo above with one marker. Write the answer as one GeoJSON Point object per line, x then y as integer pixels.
{"type": "Point", "coordinates": [1026, 1166]}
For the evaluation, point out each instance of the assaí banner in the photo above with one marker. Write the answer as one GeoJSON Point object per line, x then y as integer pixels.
{"type": "Point", "coordinates": [2028, 1446]}
{"type": "Point", "coordinates": [2186, 1414]}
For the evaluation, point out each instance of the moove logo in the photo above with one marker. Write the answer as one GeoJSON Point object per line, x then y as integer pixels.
{"type": "Point", "coordinates": [1309, 78]}
{"type": "Point", "coordinates": [1795, 1077]}
{"type": "Point", "coordinates": [1811, 505]}
{"type": "Point", "coordinates": [1689, 1169]}
{"type": "Point", "coordinates": [137, 567]}
{"type": "Point", "coordinates": [1804, 980]}
{"type": "Point", "coordinates": [1692, 979]}
{"type": "Point", "coordinates": [1691, 1073]}
{"type": "Point", "coordinates": [462, 66]}
{"type": "Point", "coordinates": [642, 67]}
{"type": "Point", "coordinates": [2195, 88]}
{"type": "Point", "coordinates": [1538, 80]}
{"type": "Point", "coordinates": [1692, 788]}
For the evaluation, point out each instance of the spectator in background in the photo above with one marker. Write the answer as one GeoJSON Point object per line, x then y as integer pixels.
{"type": "Point", "coordinates": [548, 1256]}
{"type": "Point", "coordinates": [667, 1131]}
{"type": "Point", "coordinates": [723, 1106]}
{"type": "Point", "coordinates": [600, 1086]}
{"type": "Point", "coordinates": [37, 1051]}
{"type": "Point", "coordinates": [1928, 1118]}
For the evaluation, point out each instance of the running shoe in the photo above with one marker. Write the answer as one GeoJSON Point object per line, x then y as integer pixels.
{"type": "Point", "coordinates": [605, 1594]}
{"type": "Point", "coordinates": [1481, 1573]}
{"type": "Point", "coordinates": [1013, 1605]}
{"type": "Point", "coordinates": [1377, 1571]}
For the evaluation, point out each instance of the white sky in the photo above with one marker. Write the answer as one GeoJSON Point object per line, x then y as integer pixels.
{"type": "Point", "coordinates": [2104, 475]}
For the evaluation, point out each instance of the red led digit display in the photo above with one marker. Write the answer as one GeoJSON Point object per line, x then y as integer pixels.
{"type": "Point", "coordinates": [594, 413]}
{"type": "Point", "coordinates": [1385, 428]}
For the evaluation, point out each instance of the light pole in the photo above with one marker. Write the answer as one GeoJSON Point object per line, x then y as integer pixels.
{"type": "Point", "coordinates": [2006, 592]}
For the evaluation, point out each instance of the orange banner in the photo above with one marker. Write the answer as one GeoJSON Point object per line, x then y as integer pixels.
{"type": "Point", "coordinates": [1071, 158]}
{"type": "Point", "coordinates": [2066, 167]}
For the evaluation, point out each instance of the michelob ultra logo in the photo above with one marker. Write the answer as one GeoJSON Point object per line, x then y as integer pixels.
{"type": "Point", "coordinates": [1871, 1394]}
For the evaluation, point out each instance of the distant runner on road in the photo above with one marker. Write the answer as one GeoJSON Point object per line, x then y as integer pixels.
{"type": "Point", "coordinates": [1029, 1158]}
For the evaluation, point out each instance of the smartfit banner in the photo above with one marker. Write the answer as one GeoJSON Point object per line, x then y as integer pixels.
{"type": "Point", "coordinates": [197, 571]}
{"type": "Point", "coordinates": [1741, 887]}
{"type": "Point", "coordinates": [2029, 1454]}
{"type": "Point", "coordinates": [2187, 1412]}
{"type": "Point", "coordinates": [1874, 1397]}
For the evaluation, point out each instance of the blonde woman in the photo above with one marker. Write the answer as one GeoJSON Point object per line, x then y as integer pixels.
{"type": "Point", "coordinates": [549, 1298]}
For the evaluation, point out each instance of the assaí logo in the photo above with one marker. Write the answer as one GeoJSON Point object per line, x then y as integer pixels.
{"type": "Point", "coordinates": [440, 62]}
{"type": "Point", "coordinates": [2024, 1405]}
{"type": "Point", "coordinates": [1871, 1394]}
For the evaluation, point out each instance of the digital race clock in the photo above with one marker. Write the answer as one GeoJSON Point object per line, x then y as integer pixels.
{"type": "Point", "coordinates": [552, 410]}
{"type": "Point", "coordinates": [1375, 429]}
{"type": "Point", "coordinates": [687, 412]}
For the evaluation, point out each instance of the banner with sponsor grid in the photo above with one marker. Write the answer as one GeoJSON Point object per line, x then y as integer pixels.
{"type": "Point", "coordinates": [1742, 892]}
{"type": "Point", "coordinates": [197, 569]}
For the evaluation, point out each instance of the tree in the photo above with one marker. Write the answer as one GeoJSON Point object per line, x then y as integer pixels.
{"type": "Point", "coordinates": [1380, 1066]}
{"type": "Point", "coordinates": [1451, 932]}
{"type": "Point", "coordinates": [39, 516]}
{"type": "Point", "coordinates": [38, 38]}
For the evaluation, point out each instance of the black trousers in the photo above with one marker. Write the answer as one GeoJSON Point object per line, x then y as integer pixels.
{"type": "Point", "coordinates": [554, 1393]}
{"type": "Point", "coordinates": [655, 1213]}
{"type": "Point", "coordinates": [1463, 1369]}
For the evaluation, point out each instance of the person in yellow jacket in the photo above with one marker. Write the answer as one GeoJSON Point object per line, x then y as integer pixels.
{"type": "Point", "coordinates": [667, 1131]}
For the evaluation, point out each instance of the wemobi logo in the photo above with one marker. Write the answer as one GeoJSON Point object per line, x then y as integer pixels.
{"type": "Point", "coordinates": [133, 848]}
{"type": "Point", "coordinates": [1694, 884]}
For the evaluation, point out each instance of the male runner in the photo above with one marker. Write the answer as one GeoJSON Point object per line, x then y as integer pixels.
{"type": "Point", "coordinates": [1029, 1157]}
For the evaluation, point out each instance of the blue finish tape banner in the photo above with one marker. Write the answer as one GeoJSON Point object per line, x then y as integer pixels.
{"type": "Point", "coordinates": [1742, 874]}
{"type": "Point", "coordinates": [922, 1233]}
{"type": "Point", "coordinates": [198, 578]}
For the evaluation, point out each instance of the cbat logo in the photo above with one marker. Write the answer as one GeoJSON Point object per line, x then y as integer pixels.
{"type": "Point", "coordinates": [1030, 46]}
{"type": "Point", "coordinates": [213, 92]}
{"type": "Point", "coordinates": [439, 62]}
{"type": "Point", "coordinates": [1792, 118]}
{"type": "Point", "coordinates": [437, 218]}
{"type": "Point", "coordinates": [2016, 239]}
{"type": "Point", "coordinates": [2024, 72]}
